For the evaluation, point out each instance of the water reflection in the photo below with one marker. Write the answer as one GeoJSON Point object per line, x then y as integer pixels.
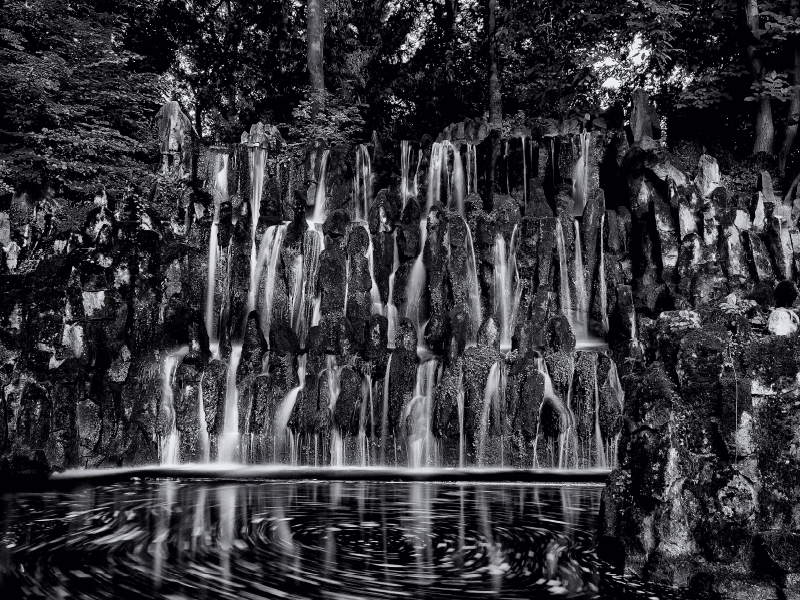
{"type": "Point", "coordinates": [307, 539]}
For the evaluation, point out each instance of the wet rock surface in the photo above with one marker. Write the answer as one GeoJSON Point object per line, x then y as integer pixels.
{"type": "Point", "coordinates": [447, 323]}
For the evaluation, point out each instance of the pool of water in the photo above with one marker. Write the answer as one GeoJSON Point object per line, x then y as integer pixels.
{"type": "Point", "coordinates": [305, 539]}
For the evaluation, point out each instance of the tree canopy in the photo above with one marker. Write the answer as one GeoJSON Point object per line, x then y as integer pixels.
{"type": "Point", "coordinates": [82, 82]}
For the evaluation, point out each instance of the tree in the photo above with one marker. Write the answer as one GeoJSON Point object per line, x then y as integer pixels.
{"type": "Point", "coordinates": [315, 29]}
{"type": "Point", "coordinates": [76, 114]}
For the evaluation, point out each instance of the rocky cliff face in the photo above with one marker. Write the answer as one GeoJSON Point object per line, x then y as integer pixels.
{"type": "Point", "coordinates": [257, 307]}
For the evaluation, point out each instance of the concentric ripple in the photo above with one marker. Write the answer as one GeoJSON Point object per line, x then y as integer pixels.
{"type": "Point", "coordinates": [198, 540]}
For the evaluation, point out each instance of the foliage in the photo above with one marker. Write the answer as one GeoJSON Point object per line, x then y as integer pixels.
{"type": "Point", "coordinates": [75, 115]}
{"type": "Point", "coordinates": [337, 122]}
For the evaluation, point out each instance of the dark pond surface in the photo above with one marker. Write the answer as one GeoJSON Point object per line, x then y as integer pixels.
{"type": "Point", "coordinates": [305, 539]}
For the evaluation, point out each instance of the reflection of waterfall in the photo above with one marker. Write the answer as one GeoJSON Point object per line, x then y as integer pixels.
{"type": "Point", "coordinates": [170, 446]}
{"type": "Point", "coordinates": [362, 184]}
{"type": "Point", "coordinates": [580, 175]}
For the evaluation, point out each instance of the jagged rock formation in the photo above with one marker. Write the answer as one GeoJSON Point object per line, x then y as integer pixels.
{"type": "Point", "coordinates": [324, 310]}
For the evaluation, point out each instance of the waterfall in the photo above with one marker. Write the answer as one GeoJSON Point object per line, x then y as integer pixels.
{"type": "Point", "coordinates": [170, 446]}
{"type": "Point", "coordinates": [507, 291]}
{"type": "Point", "coordinates": [603, 291]}
{"type": "Point", "coordinates": [264, 250]}
{"type": "Point", "coordinates": [220, 195]}
{"type": "Point", "coordinates": [271, 254]}
{"type": "Point", "coordinates": [550, 397]}
{"type": "Point", "coordinates": [458, 182]}
{"type": "Point", "coordinates": [391, 309]}
{"type": "Point", "coordinates": [418, 281]}
{"type": "Point", "coordinates": [320, 207]}
{"type": "Point", "coordinates": [385, 410]}
{"type": "Point", "coordinates": [524, 171]}
{"type": "Point", "coordinates": [229, 440]}
{"type": "Point", "coordinates": [362, 184]}
{"type": "Point", "coordinates": [202, 424]}
{"type": "Point", "coordinates": [460, 406]}
{"type": "Point", "coordinates": [600, 449]}
{"type": "Point", "coordinates": [474, 291]}
{"type": "Point", "coordinates": [408, 185]}
{"type": "Point", "coordinates": [580, 175]}
{"type": "Point", "coordinates": [313, 246]}
{"type": "Point", "coordinates": [375, 295]}
{"type": "Point", "coordinates": [581, 319]}
{"type": "Point", "coordinates": [491, 395]}
{"type": "Point", "coordinates": [472, 169]}
{"type": "Point", "coordinates": [417, 417]}
{"type": "Point", "coordinates": [333, 373]}
{"type": "Point", "coordinates": [284, 412]}
{"type": "Point", "coordinates": [366, 404]}
{"type": "Point", "coordinates": [258, 161]}
{"type": "Point", "coordinates": [615, 385]}
{"type": "Point", "coordinates": [563, 273]}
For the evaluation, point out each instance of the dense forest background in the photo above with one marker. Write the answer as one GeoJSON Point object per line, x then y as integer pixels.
{"type": "Point", "coordinates": [80, 86]}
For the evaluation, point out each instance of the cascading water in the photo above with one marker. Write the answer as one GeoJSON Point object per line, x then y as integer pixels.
{"type": "Point", "coordinates": [333, 375]}
{"type": "Point", "coordinates": [474, 291]}
{"type": "Point", "coordinates": [615, 386]}
{"type": "Point", "coordinates": [270, 256]}
{"type": "Point", "coordinates": [458, 187]}
{"type": "Point", "coordinates": [375, 295]}
{"type": "Point", "coordinates": [558, 453]}
{"type": "Point", "coordinates": [524, 170]}
{"type": "Point", "coordinates": [391, 308]}
{"type": "Point", "coordinates": [170, 445]}
{"type": "Point", "coordinates": [408, 185]}
{"type": "Point", "coordinates": [421, 444]}
{"type": "Point", "coordinates": [603, 291]}
{"type": "Point", "coordinates": [258, 161]}
{"type": "Point", "coordinates": [580, 175]}
{"type": "Point", "coordinates": [563, 273]}
{"type": "Point", "coordinates": [580, 321]}
{"type": "Point", "coordinates": [229, 440]}
{"type": "Point", "coordinates": [284, 412]}
{"type": "Point", "coordinates": [219, 195]}
{"type": "Point", "coordinates": [492, 398]}
{"type": "Point", "coordinates": [507, 291]}
{"type": "Point", "coordinates": [362, 184]}
{"type": "Point", "coordinates": [320, 197]}
{"type": "Point", "coordinates": [418, 281]}
{"type": "Point", "coordinates": [385, 411]}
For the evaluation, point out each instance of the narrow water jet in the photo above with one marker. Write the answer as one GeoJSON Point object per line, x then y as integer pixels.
{"type": "Point", "coordinates": [507, 291]}
{"type": "Point", "coordinates": [391, 309]}
{"type": "Point", "coordinates": [580, 321]}
{"type": "Point", "coordinates": [474, 291]}
{"type": "Point", "coordinates": [491, 397]}
{"type": "Point", "coordinates": [603, 291]}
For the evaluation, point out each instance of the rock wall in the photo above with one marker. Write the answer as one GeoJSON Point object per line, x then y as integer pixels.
{"type": "Point", "coordinates": [259, 307]}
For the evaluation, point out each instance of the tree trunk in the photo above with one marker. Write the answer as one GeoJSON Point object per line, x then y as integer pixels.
{"type": "Point", "coordinates": [794, 108]}
{"type": "Point", "coordinates": [315, 14]}
{"type": "Point", "coordinates": [495, 92]}
{"type": "Point", "coordinates": [765, 132]}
